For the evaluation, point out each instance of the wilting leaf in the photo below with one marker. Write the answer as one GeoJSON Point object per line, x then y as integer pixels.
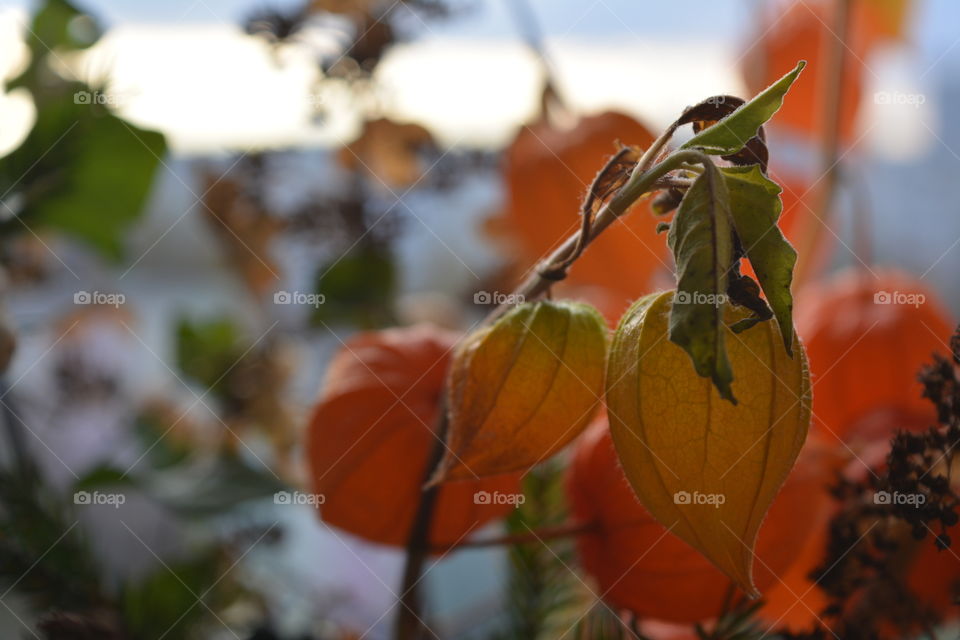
{"type": "Point", "coordinates": [706, 469]}
{"type": "Point", "coordinates": [702, 244]}
{"type": "Point", "coordinates": [745, 292]}
{"type": "Point", "coordinates": [389, 151]}
{"type": "Point", "coordinates": [715, 108]}
{"type": "Point", "coordinates": [732, 133]}
{"type": "Point", "coordinates": [523, 388]}
{"type": "Point", "coordinates": [755, 207]}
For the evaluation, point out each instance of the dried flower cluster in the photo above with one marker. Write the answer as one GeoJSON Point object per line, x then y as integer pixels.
{"type": "Point", "coordinates": [887, 520]}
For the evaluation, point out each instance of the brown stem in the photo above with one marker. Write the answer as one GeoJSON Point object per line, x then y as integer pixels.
{"type": "Point", "coordinates": [564, 530]}
{"type": "Point", "coordinates": [809, 244]}
{"type": "Point", "coordinates": [409, 624]}
{"type": "Point", "coordinates": [640, 183]}
{"type": "Point", "coordinates": [529, 28]}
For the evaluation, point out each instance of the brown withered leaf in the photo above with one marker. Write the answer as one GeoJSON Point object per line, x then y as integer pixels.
{"type": "Point", "coordinates": [388, 151]}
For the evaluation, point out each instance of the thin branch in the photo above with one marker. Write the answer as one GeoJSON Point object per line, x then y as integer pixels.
{"type": "Point", "coordinates": [639, 184]}
{"type": "Point", "coordinates": [809, 244]}
{"type": "Point", "coordinates": [565, 530]}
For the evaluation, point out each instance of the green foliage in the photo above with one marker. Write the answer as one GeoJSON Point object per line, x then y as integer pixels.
{"type": "Point", "coordinates": [730, 134]}
{"type": "Point", "coordinates": [702, 243]}
{"type": "Point", "coordinates": [57, 25]}
{"type": "Point", "coordinates": [542, 593]}
{"type": "Point", "coordinates": [42, 551]}
{"type": "Point", "coordinates": [207, 350]}
{"type": "Point", "coordinates": [358, 287]}
{"type": "Point", "coordinates": [167, 603]}
{"type": "Point", "coordinates": [81, 170]}
{"type": "Point", "coordinates": [94, 179]}
{"type": "Point", "coordinates": [755, 206]}
{"type": "Point", "coordinates": [726, 215]}
{"type": "Point", "coordinates": [207, 488]}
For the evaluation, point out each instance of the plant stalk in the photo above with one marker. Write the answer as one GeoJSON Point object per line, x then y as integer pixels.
{"type": "Point", "coordinates": [642, 180]}
{"type": "Point", "coordinates": [809, 245]}
{"type": "Point", "coordinates": [640, 183]}
{"type": "Point", "coordinates": [410, 625]}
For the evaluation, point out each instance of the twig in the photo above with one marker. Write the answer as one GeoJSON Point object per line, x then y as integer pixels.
{"type": "Point", "coordinates": [409, 624]}
{"type": "Point", "coordinates": [639, 184]}
{"type": "Point", "coordinates": [829, 155]}
{"type": "Point", "coordinates": [565, 530]}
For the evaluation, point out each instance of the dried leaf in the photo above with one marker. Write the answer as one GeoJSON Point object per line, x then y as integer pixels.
{"type": "Point", "coordinates": [389, 151]}
{"type": "Point", "coordinates": [755, 206]}
{"type": "Point", "coordinates": [706, 469]}
{"type": "Point", "coordinates": [732, 133]}
{"type": "Point", "coordinates": [523, 388]}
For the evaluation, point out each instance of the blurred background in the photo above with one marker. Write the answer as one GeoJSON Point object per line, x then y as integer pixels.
{"type": "Point", "coordinates": [202, 200]}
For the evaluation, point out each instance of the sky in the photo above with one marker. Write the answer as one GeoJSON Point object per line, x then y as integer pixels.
{"type": "Point", "coordinates": [184, 67]}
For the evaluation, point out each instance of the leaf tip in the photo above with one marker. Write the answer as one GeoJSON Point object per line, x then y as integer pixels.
{"type": "Point", "coordinates": [725, 391]}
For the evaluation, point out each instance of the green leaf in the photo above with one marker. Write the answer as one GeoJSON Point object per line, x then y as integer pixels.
{"type": "Point", "coordinates": [732, 133]}
{"type": "Point", "coordinates": [210, 487]}
{"type": "Point", "coordinates": [103, 476]}
{"type": "Point", "coordinates": [57, 25]}
{"type": "Point", "coordinates": [207, 350]}
{"type": "Point", "coordinates": [106, 183]}
{"type": "Point", "coordinates": [702, 243]}
{"type": "Point", "coordinates": [81, 170]}
{"type": "Point", "coordinates": [357, 288]}
{"type": "Point", "coordinates": [755, 207]}
{"type": "Point", "coordinates": [164, 604]}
